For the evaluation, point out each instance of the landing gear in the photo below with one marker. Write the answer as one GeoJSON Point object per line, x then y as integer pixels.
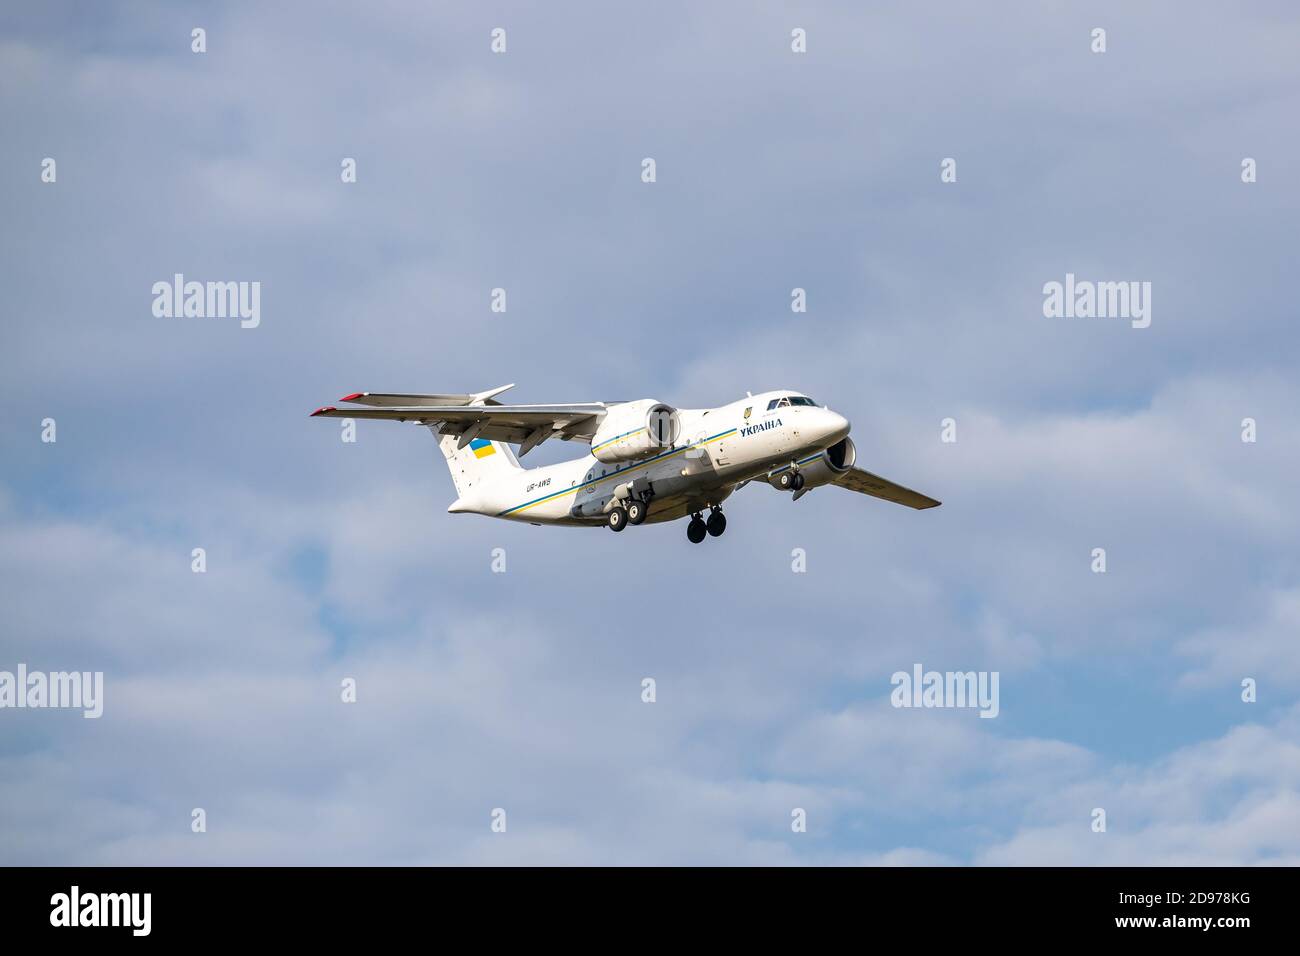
{"type": "Point", "coordinates": [695, 531]}
{"type": "Point", "coordinates": [699, 528]}
{"type": "Point", "coordinates": [636, 511]}
{"type": "Point", "coordinates": [790, 480]}
{"type": "Point", "coordinates": [617, 519]}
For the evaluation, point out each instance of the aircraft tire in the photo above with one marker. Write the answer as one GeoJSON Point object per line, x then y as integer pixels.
{"type": "Point", "coordinates": [798, 482]}
{"type": "Point", "coordinates": [695, 531]}
{"type": "Point", "coordinates": [617, 519]}
{"type": "Point", "coordinates": [716, 524]}
{"type": "Point", "coordinates": [786, 481]}
{"type": "Point", "coordinates": [636, 512]}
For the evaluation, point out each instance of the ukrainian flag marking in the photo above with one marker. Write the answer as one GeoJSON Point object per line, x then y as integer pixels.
{"type": "Point", "coordinates": [482, 448]}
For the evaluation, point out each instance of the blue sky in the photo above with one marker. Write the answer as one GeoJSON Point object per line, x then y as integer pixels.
{"type": "Point", "coordinates": [775, 170]}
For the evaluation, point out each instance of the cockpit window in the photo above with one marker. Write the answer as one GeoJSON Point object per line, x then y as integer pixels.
{"type": "Point", "coordinates": [788, 400]}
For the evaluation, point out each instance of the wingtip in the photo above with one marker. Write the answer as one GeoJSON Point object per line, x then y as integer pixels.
{"type": "Point", "coordinates": [322, 410]}
{"type": "Point", "coordinates": [353, 397]}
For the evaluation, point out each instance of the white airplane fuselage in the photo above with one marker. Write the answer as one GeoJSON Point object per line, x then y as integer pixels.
{"type": "Point", "coordinates": [715, 450]}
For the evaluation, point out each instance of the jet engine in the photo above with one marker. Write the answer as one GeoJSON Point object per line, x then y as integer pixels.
{"type": "Point", "coordinates": [828, 466]}
{"type": "Point", "coordinates": [635, 430]}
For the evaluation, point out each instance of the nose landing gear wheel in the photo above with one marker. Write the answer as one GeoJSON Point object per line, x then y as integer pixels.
{"type": "Point", "coordinates": [617, 519]}
{"type": "Point", "coordinates": [786, 481]}
{"type": "Point", "coordinates": [717, 523]}
{"type": "Point", "coordinates": [797, 484]}
{"type": "Point", "coordinates": [636, 512]}
{"type": "Point", "coordinates": [695, 530]}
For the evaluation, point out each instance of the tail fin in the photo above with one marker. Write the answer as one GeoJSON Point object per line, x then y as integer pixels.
{"type": "Point", "coordinates": [478, 460]}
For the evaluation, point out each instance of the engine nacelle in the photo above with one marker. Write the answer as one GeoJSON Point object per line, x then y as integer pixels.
{"type": "Point", "coordinates": [828, 466]}
{"type": "Point", "coordinates": [635, 430]}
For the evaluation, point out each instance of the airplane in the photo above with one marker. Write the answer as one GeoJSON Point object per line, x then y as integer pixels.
{"type": "Point", "coordinates": [649, 462]}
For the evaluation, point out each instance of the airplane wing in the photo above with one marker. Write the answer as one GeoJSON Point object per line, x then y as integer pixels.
{"type": "Point", "coordinates": [525, 425]}
{"type": "Point", "coordinates": [865, 483]}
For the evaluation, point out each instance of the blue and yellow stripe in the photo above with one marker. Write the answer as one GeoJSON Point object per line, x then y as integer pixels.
{"type": "Point", "coordinates": [597, 448]}
{"type": "Point", "coordinates": [777, 471]}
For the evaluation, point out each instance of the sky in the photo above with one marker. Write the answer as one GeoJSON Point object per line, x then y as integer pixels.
{"type": "Point", "coordinates": [522, 691]}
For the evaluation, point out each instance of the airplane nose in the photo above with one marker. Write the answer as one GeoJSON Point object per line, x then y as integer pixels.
{"type": "Point", "coordinates": [832, 426]}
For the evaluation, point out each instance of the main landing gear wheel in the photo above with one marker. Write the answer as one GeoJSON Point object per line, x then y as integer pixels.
{"type": "Point", "coordinates": [717, 523]}
{"type": "Point", "coordinates": [695, 531]}
{"type": "Point", "coordinates": [617, 519]}
{"type": "Point", "coordinates": [790, 481]}
{"type": "Point", "coordinates": [636, 512]}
